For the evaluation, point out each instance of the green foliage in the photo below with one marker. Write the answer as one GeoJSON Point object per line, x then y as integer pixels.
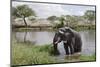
{"type": "Point", "coordinates": [56, 21]}
{"type": "Point", "coordinates": [28, 53]}
{"type": "Point", "coordinates": [84, 27]}
{"type": "Point", "coordinates": [52, 18]}
{"type": "Point", "coordinates": [70, 21]}
{"type": "Point", "coordinates": [89, 15]}
{"type": "Point", "coordinates": [73, 21]}
{"type": "Point", "coordinates": [61, 19]}
{"type": "Point", "coordinates": [31, 18]}
{"type": "Point", "coordinates": [87, 58]}
{"type": "Point", "coordinates": [14, 12]}
{"type": "Point", "coordinates": [22, 11]}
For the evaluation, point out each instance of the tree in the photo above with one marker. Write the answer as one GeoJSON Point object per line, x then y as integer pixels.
{"type": "Point", "coordinates": [61, 22]}
{"type": "Point", "coordinates": [68, 20]}
{"type": "Point", "coordinates": [22, 11]}
{"type": "Point", "coordinates": [62, 19]}
{"type": "Point", "coordinates": [89, 15]}
{"type": "Point", "coordinates": [52, 18]}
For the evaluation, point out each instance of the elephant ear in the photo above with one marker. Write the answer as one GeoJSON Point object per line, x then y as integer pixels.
{"type": "Point", "coordinates": [69, 30]}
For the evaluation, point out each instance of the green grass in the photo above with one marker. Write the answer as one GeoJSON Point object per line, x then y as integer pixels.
{"type": "Point", "coordinates": [88, 58]}
{"type": "Point", "coordinates": [27, 53]}
{"type": "Point", "coordinates": [78, 28]}
{"type": "Point", "coordinates": [84, 27]}
{"type": "Point", "coordinates": [23, 54]}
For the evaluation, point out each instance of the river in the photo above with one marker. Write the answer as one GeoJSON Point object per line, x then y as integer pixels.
{"type": "Point", "coordinates": [46, 37]}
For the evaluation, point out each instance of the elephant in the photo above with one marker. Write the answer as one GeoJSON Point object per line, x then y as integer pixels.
{"type": "Point", "coordinates": [71, 40]}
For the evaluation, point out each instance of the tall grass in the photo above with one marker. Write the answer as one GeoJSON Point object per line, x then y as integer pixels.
{"type": "Point", "coordinates": [23, 53]}
{"type": "Point", "coordinates": [28, 53]}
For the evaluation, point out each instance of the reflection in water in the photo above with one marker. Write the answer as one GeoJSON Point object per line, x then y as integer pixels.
{"type": "Point", "coordinates": [40, 38]}
{"type": "Point", "coordinates": [88, 41]}
{"type": "Point", "coordinates": [73, 57]}
{"type": "Point", "coordinates": [25, 37]}
{"type": "Point", "coordinates": [46, 37]}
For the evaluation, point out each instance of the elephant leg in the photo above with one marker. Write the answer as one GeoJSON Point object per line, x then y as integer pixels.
{"type": "Point", "coordinates": [56, 50]}
{"type": "Point", "coordinates": [77, 49]}
{"type": "Point", "coordinates": [78, 45]}
{"type": "Point", "coordinates": [66, 48]}
{"type": "Point", "coordinates": [71, 48]}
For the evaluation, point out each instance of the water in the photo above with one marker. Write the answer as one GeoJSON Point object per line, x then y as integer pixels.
{"type": "Point", "coordinates": [46, 37]}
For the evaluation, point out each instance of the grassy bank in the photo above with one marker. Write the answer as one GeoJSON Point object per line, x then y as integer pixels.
{"type": "Point", "coordinates": [23, 53]}
{"type": "Point", "coordinates": [78, 28]}
{"type": "Point", "coordinates": [84, 27]}
{"type": "Point", "coordinates": [27, 53]}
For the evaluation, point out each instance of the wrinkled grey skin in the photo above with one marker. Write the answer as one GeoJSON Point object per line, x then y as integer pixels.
{"type": "Point", "coordinates": [71, 40]}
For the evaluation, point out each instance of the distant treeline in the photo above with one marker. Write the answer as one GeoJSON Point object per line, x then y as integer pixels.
{"type": "Point", "coordinates": [24, 11]}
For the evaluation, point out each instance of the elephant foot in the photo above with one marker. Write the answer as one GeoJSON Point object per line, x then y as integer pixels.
{"type": "Point", "coordinates": [77, 53]}
{"type": "Point", "coordinates": [67, 53]}
{"type": "Point", "coordinates": [71, 53]}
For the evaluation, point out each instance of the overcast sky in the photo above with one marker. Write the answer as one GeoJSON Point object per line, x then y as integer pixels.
{"type": "Point", "coordinates": [44, 10]}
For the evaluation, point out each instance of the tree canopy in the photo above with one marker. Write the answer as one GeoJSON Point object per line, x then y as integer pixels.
{"type": "Point", "coordinates": [23, 11]}
{"type": "Point", "coordinates": [52, 18]}
{"type": "Point", "coordinates": [89, 15]}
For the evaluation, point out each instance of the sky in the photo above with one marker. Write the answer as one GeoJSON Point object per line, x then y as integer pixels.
{"type": "Point", "coordinates": [44, 10]}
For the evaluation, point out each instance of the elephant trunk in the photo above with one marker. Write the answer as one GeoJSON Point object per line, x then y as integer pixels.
{"type": "Point", "coordinates": [56, 41]}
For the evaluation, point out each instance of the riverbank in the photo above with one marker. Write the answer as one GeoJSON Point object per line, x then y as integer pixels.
{"type": "Point", "coordinates": [28, 53]}
{"type": "Point", "coordinates": [78, 28]}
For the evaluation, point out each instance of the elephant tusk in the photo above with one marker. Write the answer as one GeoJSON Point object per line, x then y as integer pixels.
{"type": "Point", "coordinates": [61, 32]}
{"type": "Point", "coordinates": [57, 41]}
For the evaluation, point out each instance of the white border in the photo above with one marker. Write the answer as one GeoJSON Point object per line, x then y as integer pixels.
{"type": "Point", "coordinates": [89, 2]}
